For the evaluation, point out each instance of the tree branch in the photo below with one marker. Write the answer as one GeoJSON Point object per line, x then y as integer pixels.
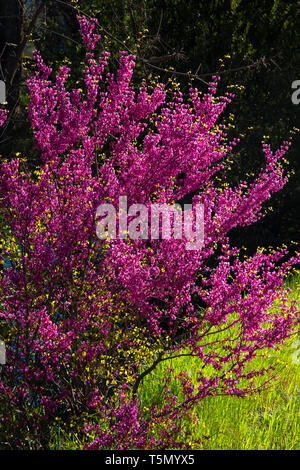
{"type": "Point", "coordinates": [21, 47]}
{"type": "Point", "coordinates": [145, 373]}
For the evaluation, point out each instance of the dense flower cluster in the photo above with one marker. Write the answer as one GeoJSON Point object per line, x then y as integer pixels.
{"type": "Point", "coordinates": [85, 320]}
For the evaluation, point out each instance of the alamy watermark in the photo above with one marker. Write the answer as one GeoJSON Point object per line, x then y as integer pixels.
{"type": "Point", "coordinates": [158, 221]}
{"type": "Point", "coordinates": [2, 92]}
{"type": "Point", "coordinates": [296, 353]}
{"type": "Point", "coordinates": [2, 353]}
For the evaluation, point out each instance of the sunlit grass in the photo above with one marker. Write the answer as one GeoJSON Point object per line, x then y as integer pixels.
{"type": "Point", "coordinates": [265, 421]}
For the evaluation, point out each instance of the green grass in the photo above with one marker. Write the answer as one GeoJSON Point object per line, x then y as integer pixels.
{"type": "Point", "coordinates": [269, 420]}
{"type": "Point", "coordinates": [265, 421]}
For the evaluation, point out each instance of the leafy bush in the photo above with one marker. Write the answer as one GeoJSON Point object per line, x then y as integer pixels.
{"type": "Point", "coordinates": [85, 320]}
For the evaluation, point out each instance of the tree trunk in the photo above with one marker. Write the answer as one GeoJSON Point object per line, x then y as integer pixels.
{"type": "Point", "coordinates": [11, 35]}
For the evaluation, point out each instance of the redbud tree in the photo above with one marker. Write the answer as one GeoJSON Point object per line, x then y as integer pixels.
{"type": "Point", "coordinates": [85, 320]}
